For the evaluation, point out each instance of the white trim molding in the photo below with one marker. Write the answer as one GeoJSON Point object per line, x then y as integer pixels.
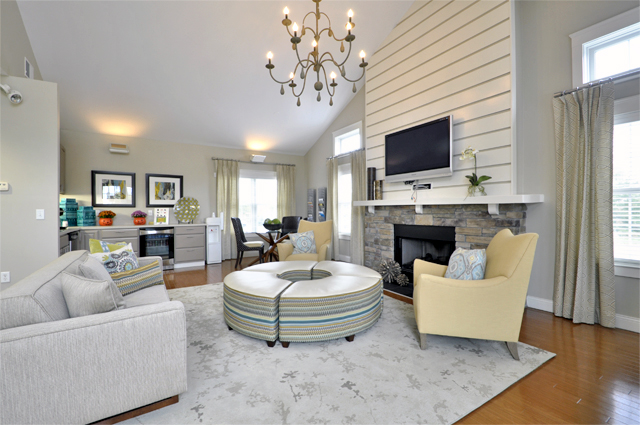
{"type": "Point", "coordinates": [627, 323]}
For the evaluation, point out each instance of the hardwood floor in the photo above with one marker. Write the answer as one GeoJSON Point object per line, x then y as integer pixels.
{"type": "Point", "coordinates": [594, 377]}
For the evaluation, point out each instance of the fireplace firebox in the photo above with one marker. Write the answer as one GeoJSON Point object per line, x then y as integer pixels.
{"type": "Point", "coordinates": [430, 243]}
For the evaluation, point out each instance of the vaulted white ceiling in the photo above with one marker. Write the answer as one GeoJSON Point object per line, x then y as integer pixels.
{"type": "Point", "coordinates": [193, 71]}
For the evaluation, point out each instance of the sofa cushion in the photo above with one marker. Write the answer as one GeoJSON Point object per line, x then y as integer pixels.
{"type": "Point", "coordinates": [93, 269]}
{"type": "Point", "coordinates": [151, 295]}
{"type": "Point", "coordinates": [303, 243]}
{"type": "Point", "coordinates": [467, 264]}
{"type": "Point", "coordinates": [120, 260]}
{"type": "Point", "coordinates": [96, 245]}
{"type": "Point", "coordinates": [38, 297]}
{"type": "Point", "coordinates": [134, 280]}
{"type": "Point", "coordinates": [87, 296]}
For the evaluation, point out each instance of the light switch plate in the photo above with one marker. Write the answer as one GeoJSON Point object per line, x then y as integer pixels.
{"type": "Point", "coordinates": [4, 186]}
{"type": "Point", "coordinates": [5, 277]}
{"type": "Point", "coordinates": [39, 214]}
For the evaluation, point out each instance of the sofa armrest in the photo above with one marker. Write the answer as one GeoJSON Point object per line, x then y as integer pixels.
{"type": "Point", "coordinates": [144, 261]}
{"type": "Point", "coordinates": [322, 253]}
{"type": "Point", "coordinates": [284, 250]}
{"type": "Point", "coordinates": [83, 369]}
{"type": "Point", "coordinates": [425, 267]}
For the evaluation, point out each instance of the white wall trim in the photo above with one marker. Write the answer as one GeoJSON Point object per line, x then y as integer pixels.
{"type": "Point", "coordinates": [189, 264]}
{"type": "Point", "coordinates": [627, 323]}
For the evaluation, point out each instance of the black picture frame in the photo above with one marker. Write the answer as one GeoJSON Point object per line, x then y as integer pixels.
{"type": "Point", "coordinates": [173, 185]}
{"type": "Point", "coordinates": [102, 197]}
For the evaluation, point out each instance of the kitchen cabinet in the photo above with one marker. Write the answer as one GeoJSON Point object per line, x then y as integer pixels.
{"type": "Point", "coordinates": [131, 236]}
{"type": "Point", "coordinates": [189, 244]}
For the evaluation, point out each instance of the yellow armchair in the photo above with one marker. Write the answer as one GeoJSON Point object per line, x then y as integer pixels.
{"type": "Point", "coordinates": [322, 234]}
{"type": "Point", "coordinates": [491, 308]}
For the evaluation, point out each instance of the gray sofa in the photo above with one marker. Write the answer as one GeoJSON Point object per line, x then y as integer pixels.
{"type": "Point", "coordinates": [57, 369]}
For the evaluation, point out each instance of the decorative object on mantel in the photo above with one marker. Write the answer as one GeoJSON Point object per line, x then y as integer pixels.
{"type": "Point", "coordinates": [186, 210]}
{"type": "Point", "coordinates": [139, 218]}
{"type": "Point", "coordinates": [163, 190]}
{"type": "Point", "coordinates": [476, 182]}
{"type": "Point", "coordinates": [371, 178]}
{"type": "Point", "coordinates": [402, 280]}
{"type": "Point", "coordinates": [106, 217]}
{"type": "Point", "coordinates": [378, 190]}
{"type": "Point", "coordinates": [314, 60]}
{"type": "Point", "coordinates": [390, 271]}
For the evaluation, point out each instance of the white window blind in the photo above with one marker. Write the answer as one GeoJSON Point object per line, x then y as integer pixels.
{"type": "Point", "coordinates": [257, 198]}
{"type": "Point", "coordinates": [626, 192]}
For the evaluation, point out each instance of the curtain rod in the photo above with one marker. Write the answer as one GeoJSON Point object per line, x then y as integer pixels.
{"type": "Point", "coordinates": [255, 163]}
{"type": "Point", "coordinates": [591, 84]}
{"type": "Point", "coordinates": [345, 154]}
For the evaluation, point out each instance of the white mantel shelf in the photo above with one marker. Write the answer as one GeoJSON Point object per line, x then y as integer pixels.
{"type": "Point", "coordinates": [492, 202]}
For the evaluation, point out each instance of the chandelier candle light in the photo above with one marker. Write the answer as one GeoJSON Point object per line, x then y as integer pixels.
{"type": "Point", "coordinates": [315, 61]}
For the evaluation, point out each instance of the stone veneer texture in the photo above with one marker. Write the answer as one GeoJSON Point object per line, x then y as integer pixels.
{"type": "Point", "coordinates": [475, 227]}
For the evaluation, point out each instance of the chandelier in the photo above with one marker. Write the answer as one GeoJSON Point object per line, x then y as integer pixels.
{"type": "Point", "coordinates": [315, 62]}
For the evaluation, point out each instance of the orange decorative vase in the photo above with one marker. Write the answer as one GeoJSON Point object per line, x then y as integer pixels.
{"type": "Point", "coordinates": [106, 221]}
{"type": "Point", "coordinates": [138, 221]}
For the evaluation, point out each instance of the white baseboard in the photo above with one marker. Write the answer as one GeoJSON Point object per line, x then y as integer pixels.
{"type": "Point", "coordinates": [628, 323]}
{"type": "Point", "coordinates": [189, 264]}
{"type": "Point", "coordinates": [540, 303]}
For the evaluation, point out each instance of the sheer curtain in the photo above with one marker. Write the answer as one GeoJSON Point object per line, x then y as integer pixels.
{"type": "Point", "coordinates": [286, 175]}
{"type": "Point", "coordinates": [358, 193]}
{"type": "Point", "coordinates": [584, 287]}
{"type": "Point", "coordinates": [332, 203]}
{"type": "Point", "coordinates": [227, 202]}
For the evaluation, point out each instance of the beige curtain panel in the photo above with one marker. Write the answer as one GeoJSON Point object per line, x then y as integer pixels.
{"type": "Point", "coordinates": [358, 193]}
{"type": "Point", "coordinates": [332, 203]}
{"type": "Point", "coordinates": [584, 273]}
{"type": "Point", "coordinates": [227, 202]}
{"type": "Point", "coordinates": [286, 176]}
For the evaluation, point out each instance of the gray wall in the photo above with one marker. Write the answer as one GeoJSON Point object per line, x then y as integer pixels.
{"type": "Point", "coordinates": [29, 162]}
{"type": "Point", "coordinates": [90, 151]}
{"type": "Point", "coordinates": [14, 43]}
{"type": "Point", "coordinates": [543, 67]}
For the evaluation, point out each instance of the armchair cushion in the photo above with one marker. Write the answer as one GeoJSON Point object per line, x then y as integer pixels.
{"type": "Point", "coordinates": [303, 243]}
{"type": "Point", "coordinates": [467, 264]}
{"type": "Point", "coordinates": [87, 296]}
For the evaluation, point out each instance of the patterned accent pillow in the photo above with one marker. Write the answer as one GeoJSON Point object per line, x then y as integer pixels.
{"type": "Point", "coordinates": [467, 264]}
{"type": "Point", "coordinates": [123, 259]}
{"type": "Point", "coordinates": [303, 243]}
{"type": "Point", "coordinates": [101, 246]}
{"type": "Point", "coordinates": [131, 281]}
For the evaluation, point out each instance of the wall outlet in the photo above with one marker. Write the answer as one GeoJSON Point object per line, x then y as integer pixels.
{"type": "Point", "coordinates": [39, 214]}
{"type": "Point", "coordinates": [5, 277]}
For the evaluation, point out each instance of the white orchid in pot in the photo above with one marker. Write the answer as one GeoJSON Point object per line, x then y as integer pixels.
{"type": "Point", "coordinates": [476, 182]}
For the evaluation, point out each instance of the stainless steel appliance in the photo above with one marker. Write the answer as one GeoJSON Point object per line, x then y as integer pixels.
{"type": "Point", "coordinates": [158, 242]}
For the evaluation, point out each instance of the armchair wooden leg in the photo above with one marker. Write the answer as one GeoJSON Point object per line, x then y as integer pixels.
{"type": "Point", "coordinates": [423, 341]}
{"type": "Point", "coordinates": [513, 349]}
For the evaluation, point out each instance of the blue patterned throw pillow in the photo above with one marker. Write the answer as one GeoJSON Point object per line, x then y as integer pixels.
{"type": "Point", "coordinates": [303, 243]}
{"type": "Point", "coordinates": [467, 264]}
{"type": "Point", "coordinates": [121, 260]}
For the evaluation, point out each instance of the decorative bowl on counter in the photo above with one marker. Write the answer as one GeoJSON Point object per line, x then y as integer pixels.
{"type": "Point", "coordinates": [272, 227]}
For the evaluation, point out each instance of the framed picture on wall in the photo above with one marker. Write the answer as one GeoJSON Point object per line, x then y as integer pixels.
{"type": "Point", "coordinates": [113, 189]}
{"type": "Point", "coordinates": [163, 190]}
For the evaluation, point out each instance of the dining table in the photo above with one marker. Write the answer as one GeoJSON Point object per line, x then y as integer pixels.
{"type": "Point", "coordinates": [273, 238]}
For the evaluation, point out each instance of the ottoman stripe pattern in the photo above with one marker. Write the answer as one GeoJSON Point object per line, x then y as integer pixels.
{"type": "Point", "coordinates": [250, 315]}
{"type": "Point", "coordinates": [321, 317]}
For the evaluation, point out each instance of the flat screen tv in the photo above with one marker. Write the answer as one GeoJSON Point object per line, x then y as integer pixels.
{"type": "Point", "coordinates": [419, 152]}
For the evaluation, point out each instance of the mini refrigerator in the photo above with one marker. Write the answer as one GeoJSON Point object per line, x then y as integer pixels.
{"type": "Point", "coordinates": [214, 239]}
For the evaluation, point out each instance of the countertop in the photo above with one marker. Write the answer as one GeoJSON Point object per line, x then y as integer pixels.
{"type": "Point", "coordinates": [130, 226]}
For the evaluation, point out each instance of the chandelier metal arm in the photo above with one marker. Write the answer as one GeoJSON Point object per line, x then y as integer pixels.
{"type": "Point", "coordinates": [333, 60]}
{"type": "Point", "coordinates": [354, 81]}
{"type": "Point", "coordinates": [326, 82]}
{"type": "Point", "coordinates": [274, 79]}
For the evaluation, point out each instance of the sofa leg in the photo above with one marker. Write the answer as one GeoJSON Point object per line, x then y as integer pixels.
{"type": "Point", "coordinates": [513, 349]}
{"type": "Point", "coordinates": [139, 411]}
{"type": "Point", "coordinates": [350, 338]}
{"type": "Point", "coordinates": [230, 328]}
{"type": "Point", "coordinates": [271, 343]}
{"type": "Point", "coordinates": [285, 344]}
{"type": "Point", "coordinates": [423, 341]}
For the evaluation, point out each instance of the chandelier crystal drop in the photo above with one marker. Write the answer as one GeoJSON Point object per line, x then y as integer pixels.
{"type": "Point", "coordinates": [313, 65]}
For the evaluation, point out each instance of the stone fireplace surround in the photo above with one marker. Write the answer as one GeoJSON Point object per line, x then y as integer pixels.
{"type": "Point", "coordinates": [474, 226]}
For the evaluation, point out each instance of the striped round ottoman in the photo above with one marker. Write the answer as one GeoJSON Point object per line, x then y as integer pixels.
{"type": "Point", "coordinates": [302, 301]}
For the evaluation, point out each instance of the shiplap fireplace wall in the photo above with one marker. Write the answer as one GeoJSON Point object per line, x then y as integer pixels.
{"type": "Point", "coordinates": [446, 57]}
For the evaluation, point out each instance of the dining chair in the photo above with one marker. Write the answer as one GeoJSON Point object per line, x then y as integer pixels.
{"type": "Point", "coordinates": [241, 242]}
{"type": "Point", "coordinates": [290, 224]}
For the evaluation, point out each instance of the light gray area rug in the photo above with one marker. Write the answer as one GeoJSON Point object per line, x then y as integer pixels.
{"type": "Point", "coordinates": [382, 377]}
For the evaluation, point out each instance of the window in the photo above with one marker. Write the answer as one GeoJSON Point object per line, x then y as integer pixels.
{"type": "Point", "coordinates": [606, 49]}
{"type": "Point", "coordinates": [626, 182]}
{"type": "Point", "coordinates": [257, 198]}
{"type": "Point", "coordinates": [344, 201]}
{"type": "Point", "coordinates": [347, 139]}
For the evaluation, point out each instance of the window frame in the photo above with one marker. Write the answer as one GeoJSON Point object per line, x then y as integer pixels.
{"type": "Point", "coordinates": [252, 173]}
{"type": "Point", "coordinates": [606, 27]}
{"type": "Point", "coordinates": [341, 168]}
{"type": "Point", "coordinates": [339, 134]}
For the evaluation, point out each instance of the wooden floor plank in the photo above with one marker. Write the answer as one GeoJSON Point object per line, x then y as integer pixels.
{"type": "Point", "coordinates": [594, 377]}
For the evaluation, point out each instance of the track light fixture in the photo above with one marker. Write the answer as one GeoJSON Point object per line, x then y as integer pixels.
{"type": "Point", "coordinates": [14, 96]}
